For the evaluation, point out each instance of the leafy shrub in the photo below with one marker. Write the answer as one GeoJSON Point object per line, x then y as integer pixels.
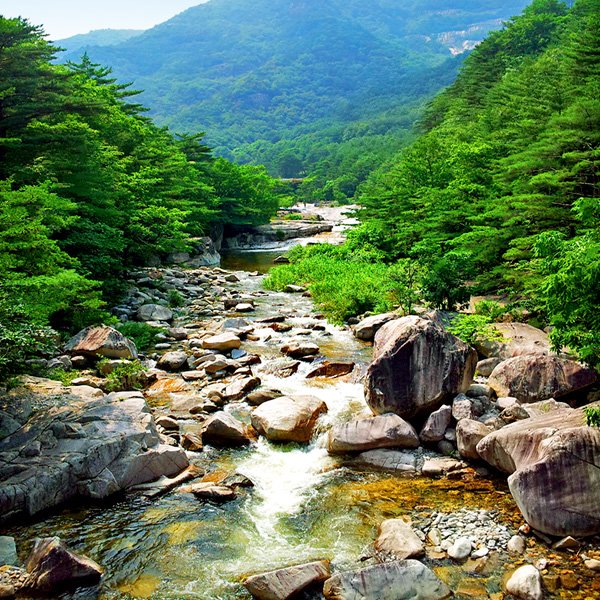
{"type": "Point", "coordinates": [176, 299]}
{"type": "Point", "coordinates": [592, 416]}
{"type": "Point", "coordinates": [126, 377]}
{"type": "Point", "coordinates": [141, 334]}
{"type": "Point", "coordinates": [473, 327]}
{"type": "Point", "coordinates": [21, 338]}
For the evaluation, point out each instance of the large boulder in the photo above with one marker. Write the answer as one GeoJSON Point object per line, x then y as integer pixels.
{"type": "Point", "coordinates": [397, 540]}
{"type": "Point", "coordinates": [554, 467]}
{"type": "Point", "coordinates": [101, 341]}
{"type": "Point", "coordinates": [288, 582]}
{"type": "Point", "coordinates": [531, 378]}
{"type": "Point", "coordinates": [519, 339]}
{"type": "Point", "coordinates": [468, 434]}
{"type": "Point", "coordinates": [385, 431]}
{"type": "Point", "coordinates": [52, 566]}
{"type": "Point", "coordinates": [367, 328]}
{"type": "Point", "coordinates": [154, 312]}
{"type": "Point", "coordinates": [417, 366]}
{"type": "Point", "coordinates": [79, 446]}
{"type": "Point", "coordinates": [289, 418]}
{"type": "Point", "coordinates": [223, 429]}
{"type": "Point", "coordinates": [222, 343]}
{"type": "Point", "coordinates": [402, 579]}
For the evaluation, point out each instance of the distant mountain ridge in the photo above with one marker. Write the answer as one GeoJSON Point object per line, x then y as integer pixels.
{"type": "Point", "coordinates": [99, 37]}
{"type": "Point", "coordinates": [251, 74]}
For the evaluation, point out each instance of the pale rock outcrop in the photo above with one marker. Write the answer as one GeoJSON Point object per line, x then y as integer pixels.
{"type": "Point", "coordinates": [387, 459]}
{"type": "Point", "coordinates": [417, 366]}
{"type": "Point", "coordinates": [77, 446]}
{"type": "Point", "coordinates": [519, 339]}
{"type": "Point", "coordinates": [101, 341]}
{"type": "Point", "coordinates": [288, 582]}
{"type": "Point", "coordinates": [385, 431]}
{"type": "Point", "coordinates": [387, 581]}
{"type": "Point", "coordinates": [289, 418]}
{"type": "Point", "coordinates": [554, 467]}
{"type": "Point", "coordinates": [532, 378]}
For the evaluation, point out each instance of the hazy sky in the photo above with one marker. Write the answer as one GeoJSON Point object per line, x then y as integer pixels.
{"type": "Point", "coordinates": [64, 18]}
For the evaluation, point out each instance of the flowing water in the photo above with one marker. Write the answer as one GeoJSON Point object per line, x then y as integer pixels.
{"type": "Point", "coordinates": [305, 504]}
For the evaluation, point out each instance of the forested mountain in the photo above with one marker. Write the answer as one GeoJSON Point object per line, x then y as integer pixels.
{"type": "Point", "coordinates": [501, 191]}
{"type": "Point", "coordinates": [77, 44]}
{"type": "Point", "coordinates": [255, 75]}
{"type": "Point", "coordinates": [90, 187]}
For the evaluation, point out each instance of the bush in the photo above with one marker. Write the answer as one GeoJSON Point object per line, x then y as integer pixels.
{"type": "Point", "coordinates": [176, 299]}
{"type": "Point", "coordinates": [126, 377]}
{"type": "Point", "coordinates": [472, 327]}
{"type": "Point", "coordinates": [21, 339]}
{"type": "Point", "coordinates": [141, 334]}
{"type": "Point", "coordinates": [592, 416]}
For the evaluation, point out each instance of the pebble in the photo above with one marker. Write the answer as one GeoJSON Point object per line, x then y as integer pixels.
{"type": "Point", "coordinates": [461, 549]}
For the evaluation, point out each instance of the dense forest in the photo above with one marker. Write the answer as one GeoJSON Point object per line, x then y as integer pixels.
{"type": "Point", "coordinates": [498, 194]}
{"type": "Point", "coordinates": [90, 187]}
{"type": "Point", "coordinates": [321, 89]}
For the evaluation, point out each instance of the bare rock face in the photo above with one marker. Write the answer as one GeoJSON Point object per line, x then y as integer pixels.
{"type": "Point", "coordinates": [468, 434]}
{"type": "Point", "coordinates": [287, 583]}
{"type": "Point", "coordinates": [397, 540]}
{"type": "Point", "coordinates": [101, 341]}
{"type": "Point", "coordinates": [388, 581]}
{"type": "Point", "coordinates": [368, 327]}
{"type": "Point", "coordinates": [52, 566]}
{"type": "Point", "coordinates": [532, 378]}
{"type": "Point", "coordinates": [554, 467]}
{"type": "Point", "coordinates": [417, 366]}
{"type": "Point", "coordinates": [81, 447]}
{"type": "Point", "coordinates": [289, 418]}
{"type": "Point", "coordinates": [385, 431]}
{"type": "Point", "coordinates": [519, 339]}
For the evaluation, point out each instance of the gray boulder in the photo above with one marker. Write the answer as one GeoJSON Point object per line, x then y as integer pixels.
{"type": "Point", "coordinates": [173, 361]}
{"type": "Point", "coordinates": [367, 328]}
{"type": "Point", "coordinates": [288, 582]}
{"type": "Point", "coordinates": [385, 431]}
{"type": "Point", "coordinates": [532, 378]}
{"type": "Point", "coordinates": [101, 341]}
{"type": "Point", "coordinates": [154, 312]}
{"type": "Point", "coordinates": [436, 425]}
{"type": "Point", "coordinates": [417, 366]}
{"type": "Point", "coordinates": [554, 467]}
{"type": "Point", "coordinates": [397, 580]}
{"type": "Point", "coordinates": [223, 429]}
{"type": "Point", "coordinates": [468, 434]}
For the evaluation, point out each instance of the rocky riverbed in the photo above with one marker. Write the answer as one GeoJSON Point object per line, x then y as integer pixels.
{"type": "Point", "coordinates": [286, 476]}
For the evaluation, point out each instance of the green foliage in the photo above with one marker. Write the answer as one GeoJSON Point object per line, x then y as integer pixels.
{"type": "Point", "coordinates": [125, 377]}
{"type": "Point", "coordinates": [21, 338]}
{"type": "Point", "coordinates": [65, 377]}
{"type": "Point", "coordinates": [473, 327]}
{"type": "Point", "coordinates": [592, 416]}
{"type": "Point", "coordinates": [176, 299]}
{"type": "Point", "coordinates": [141, 334]}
